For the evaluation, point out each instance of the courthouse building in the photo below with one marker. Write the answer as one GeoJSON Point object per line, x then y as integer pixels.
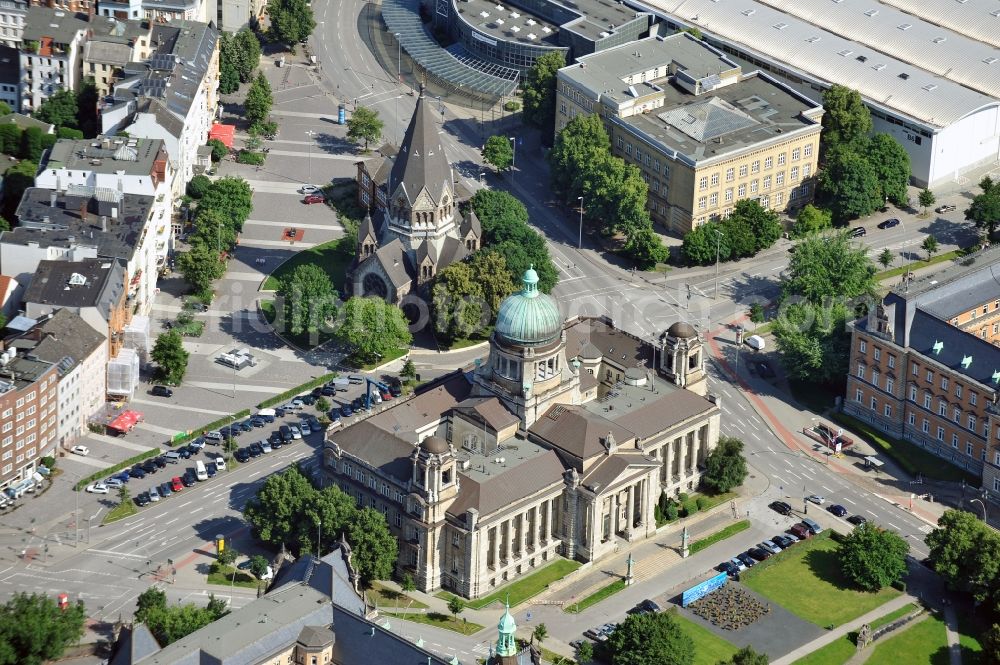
{"type": "Point", "coordinates": [558, 443]}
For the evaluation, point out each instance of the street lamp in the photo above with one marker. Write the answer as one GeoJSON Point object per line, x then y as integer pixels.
{"type": "Point", "coordinates": [311, 134]}
{"type": "Point", "coordinates": [513, 158]}
{"type": "Point", "coordinates": [981, 504]}
{"type": "Point", "coordinates": [718, 247]}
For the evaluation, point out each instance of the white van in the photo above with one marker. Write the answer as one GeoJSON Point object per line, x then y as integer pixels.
{"type": "Point", "coordinates": [200, 471]}
{"type": "Point", "coordinates": [755, 342]}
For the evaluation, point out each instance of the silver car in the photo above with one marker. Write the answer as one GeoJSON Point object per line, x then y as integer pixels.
{"type": "Point", "coordinates": [304, 428]}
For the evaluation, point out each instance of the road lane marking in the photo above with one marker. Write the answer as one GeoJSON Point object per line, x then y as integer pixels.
{"type": "Point", "coordinates": [786, 461]}
{"type": "Point", "coordinates": [196, 510]}
{"type": "Point", "coordinates": [232, 483]}
{"type": "Point", "coordinates": [893, 526]}
{"type": "Point", "coordinates": [849, 501]}
{"type": "Point", "coordinates": [826, 488]}
{"type": "Point", "coordinates": [171, 521]}
{"type": "Point", "coordinates": [741, 406]}
{"type": "Point", "coordinates": [121, 554]}
{"type": "Point", "coordinates": [871, 513]}
{"type": "Point", "coordinates": [184, 504]}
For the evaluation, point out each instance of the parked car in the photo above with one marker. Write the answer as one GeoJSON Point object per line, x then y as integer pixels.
{"type": "Point", "coordinates": [220, 464]}
{"type": "Point", "coordinates": [242, 455]}
{"type": "Point", "coordinates": [858, 231]}
{"type": "Point", "coordinates": [889, 223]}
{"type": "Point", "coordinates": [160, 462]}
{"type": "Point", "coordinates": [161, 391]}
{"type": "Point", "coordinates": [149, 466]}
{"type": "Point", "coordinates": [813, 527]}
{"type": "Point", "coordinates": [746, 559]}
{"type": "Point", "coordinates": [246, 425]}
{"type": "Point", "coordinates": [314, 198]}
{"type": "Point", "coordinates": [214, 437]}
{"type": "Point", "coordinates": [286, 433]}
{"type": "Point", "coordinates": [395, 389]}
{"type": "Point", "coordinates": [255, 450]}
{"type": "Point", "coordinates": [184, 453]}
{"type": "Point", "coordinates": [114, 482]}
{"type": "Point", "coordinates": [729, 568]}
{"type": "Point", "coordinates": [314, 425]}
{"type": "Point", "coordinates": [308, 400]}
{"type": "Point", "coordinates": [154, 494]}
{"type": "Point", "coordinates": [98, 488]}
{"type": "Point", "coordinates": [166, 490]}
{"type": "Point", "coordinates": [308, 189]}
{"type": "Point", "coordinates": [257, 421]}
{"type": "Point", "coordinates": [770, 546]}
{"type": "Point", "coordinates": [137, 472]}
{"type": "Point", "coordinates": [346, 411]}
{"type": "Point", "coordinates": [124, 476]}
{"type": "Point", "coordinates": [176, 484]}
{"type": "Point", "coordinates": [328, 391]}
{"type": "Point", "coordinates": [142, 499]}
{"type": "Point", "coordinates": [738, 563]}
{"type": "Point", "coordinates": [945, 208]}
{"type": "Point", "coordinates": [189, 479]}
{"type": "Point", "coordinates": [857, 520]}
{"type": "Point", "coordinates": [837, 510]}
{"type": "Point", "coordinates": [296, 432]}
{"type": "Point", "coordinates": [645, 607]}
{"type": "Point", "coordinates": [783, 541]}
{"type": "Point", "coordinates": [265, 447]}
{"type": "Point", "coordinates": [211, 469]}
{"type": "Point", "coordinates": [764, 370]}
{"type": "Point", "coordinates": [304, 428]}
{"type": "Point", "coordinates": [816, 498]}
{"type": "Point", "coordinates": [801, 531]}
{"type": "Point", "coordinates": [80, 450]}
{"type": "Point", "coordinates": [297, 403]}
{"type": "Point", "coordinates": [355, 379]}
{"type": "Point", "coordinates": [780, 507]}
{"type": "Point", "coordinates": [758, 554]}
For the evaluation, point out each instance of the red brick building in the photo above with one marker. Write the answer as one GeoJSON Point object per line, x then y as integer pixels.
{"type": "Point", "coordinates": [28, 417]}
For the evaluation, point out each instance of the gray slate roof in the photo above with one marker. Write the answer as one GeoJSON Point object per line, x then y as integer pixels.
{"type": "Point", "coordinates": [395, 262]}
{"type": "Point", "coordinates": [61, 26]}
{"type": "Point", "coordinates": [134, 644]}
{"type": "Point", "coordinates": [501, 491]}
{"type": "Point", "coordinates": [422, 162]}
{"type": "Point", "coordinates": [105, 282]}
{"type": "Point", "coordinates": [66, 335]}
{"type": "Point", "coordinates": [381, 449]}
{"type": "Point", "coordinates": [577, 431]}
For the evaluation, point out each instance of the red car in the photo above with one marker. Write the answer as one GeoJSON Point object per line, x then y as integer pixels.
{"type": "Point", "coordinates": [314, 198]}
{"type": "Point", "coordinates": [176, 484]}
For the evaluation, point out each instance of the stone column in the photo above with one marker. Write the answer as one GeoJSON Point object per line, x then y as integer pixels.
{"type": "Point", "coordinates": [630, 512]}
{"type": "Point", "coordinates": [683, 468]}
{"type": "Point", "coordinates": [496, 546]}
{"type": "Point", "coordinates": [538, 526]}
{"type": "Point", "coordinates": [669, 462]}
{"type": "Point", "coordinates": [522, 534]}
{"type": "Point", "coordinates": [548, 519]}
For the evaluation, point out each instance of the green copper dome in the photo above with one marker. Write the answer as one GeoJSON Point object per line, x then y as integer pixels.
{"type": "Point", "coordinates": [529, 317]}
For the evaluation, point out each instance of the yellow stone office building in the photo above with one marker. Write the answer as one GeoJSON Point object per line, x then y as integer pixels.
{"type": "Point", "coordinates": [704, 133]}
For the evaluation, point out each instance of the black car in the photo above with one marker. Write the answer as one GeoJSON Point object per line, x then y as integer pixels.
{"type": "Point", "coordinates": [183, 452]}
{"type": "Point", "coordinates": [308, 400]}
{"type": "Point", "coordinates": [149, 466]}
{"type": "Point", "coordinates": [729, 568]}
{"type": "Point", "coordinates": [255, 450]}
{"type": "Point", "coordinates": [242, 455]}
{"type": "Point", "coordinates": [245, 426]}
{"type": "Point", "coordinates": [161, 391]}
{"type": "Point", "coordinates": [313, 423]}
{"type": "Point", "coordinates": [782, 541]}
{"type": "Point", "coordinates": [395, 389]}
{"type": "Point", "coordinates": [758, 554]}
{"type": "Point", "coordinates": [645, 607]}
{"type": "Point", "coordinates": [286, 433]}
{"type": "Point", "coordinates": [193, 450]}
{"type": "Point", "coordinates": [746, 559]}
{"type": "Point", "coordinates": [857, 232]}
{"type": "Point", "coordinates": [160, 462]}
{"type": "Point", "coordinates": [328, 391]}
{"type": "Point", "coordinates": [257, 422]}
{"type": "Point", "coordinates": [945, 208]}
{"type": "Point", "coordinates": [279, 411]}
{"type": "Point", "coordinates": [837, 510]}
{"type": "Point", "coordinates": [857, 520]}
{"type": "Point", "coordinates": [317, 391]}
{"type": "Point", "coordinates": [275, 438]}
{"type": "Point", "coordinates": [230, 431]}
{"type": "Point", "coordinates": [142, 499]}
{"type": "Point", "coordinates": [189, 479]}
{"type": "Point", "coordinates": [764, 370]}
{"type": "Point", "coordinates": [165, 490]}
{"type": "Point", "coordinates": [137, 472]}
{"type": "Point", "coordinates": [889, 223]}
{"type": "Point", "coordinates": [780, 507]}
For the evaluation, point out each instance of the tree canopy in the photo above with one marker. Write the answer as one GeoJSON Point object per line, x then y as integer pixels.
{"type": "Point", "coordinates": [849, 185]}
{"type": "Point", "coordinates": [649, 639]}
{"type": "Point", "coordinates": [170, 623]}
{"type": "Point", "coordinates": [168, 352]}
{"type": "Point", "coordinates": [375, 548]}
{"type": "Point", "coordinates": [60, 109]}
{"type": "Point", "coordinates": [813, 342]}
{"type": "Point", "coordinates": [873, 557]}
{"type": "Point", "coordinates": [891, 164]}
{"type": "Point", "coordinates": [364, 125]}
{"type": "Point", "coordinates": [201, 266]}
{"type": "Point", "coordinates": [725, 466]}
{"type": "Point", "coordinates": [459, 303]}
{"type": "Point", "coordinates": [829, 265]}
{"type": "Point", "coordinates": [846, 119]}
{"type": "Point", "coordinates": [259, 99]}
{"type": "Point", "coordinates": [309, 298]}
{"type": "Point", "coordinates": [746, 656]}
{"type": "Point", "coordinates": [498, 152]}
{"type": "Point", "coordinates": [581, 142]}
{"type": "Point", "coordinates": [35, 630]}
{"type": "Point", "coordinates": [506, 232]}
{"type": "Point", "coordinates": [539, 87]}
{"type": "Point", "coordinates": [749, 229]}
{"type": "Point", "coordinates": [373, 328]}
{"type": "Point", "coordinates": [956, 547]}
{"type": "Point", "coordinates": [985, 207]}
{"type": "Point", "coordinates": [292, 21]}
{"type": "Point", "coordinates": [811, 220]}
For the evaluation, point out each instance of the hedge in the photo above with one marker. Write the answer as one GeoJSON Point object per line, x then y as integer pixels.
{"type": "Point", "coordinates": [730, 530]}
{"type": "Point", "coordinates": [215, 424]}
{"type": "Point", "coordinates": [103, 473]}
{"type": "Point", "coordinates": [295, 392]}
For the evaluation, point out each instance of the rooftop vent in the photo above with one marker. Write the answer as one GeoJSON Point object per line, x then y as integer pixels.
{"type": "Point", "coordinates": [939, 40]}
{"type": "Point", "coordinates": [76, 279]}
{"type": "Point", "coordinates": [871, 13]}
{"type": "Point", "coordinates": [904, 76]}
{"type": "Point", "coordinates": [990, 60]}
{"type": "Point", "coordinates": [779, 26]}
{"type": "Point", "coordinates": [862, 58]}
{"type": "Point", "coordinates": [938, 346]}
{"type": "Point", "coordinates": [749, 12]}
{"type": "Point", "coordinates": [904, 26]}
{"type": "Point", "coordinates": [930, 87]}
{"type": "Point", "coordinates": [966, 361]}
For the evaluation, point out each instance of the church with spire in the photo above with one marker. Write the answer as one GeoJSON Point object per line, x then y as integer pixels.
{"type": "Point", "coordinates": [413, 228]}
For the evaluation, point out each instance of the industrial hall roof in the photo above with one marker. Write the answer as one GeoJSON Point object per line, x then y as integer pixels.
{"type": "Point", "coordinates": [969, 17]}
{"type": "Point", "coordinates": [886, 81]}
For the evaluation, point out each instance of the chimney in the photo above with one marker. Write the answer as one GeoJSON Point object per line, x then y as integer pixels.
{"type": "Point", "coordinates": [104, 223]}
{"type": "Point", "coordinates": [106, 143]}
{"type": "Point", "coordinates": [114, 212]}
{"type": "Point", "coordinates": [83, 210]}
{"type": "Point", "coordinates": [52, 199]}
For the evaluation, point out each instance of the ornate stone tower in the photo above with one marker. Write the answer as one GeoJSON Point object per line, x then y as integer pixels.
{"type": "Point", "coordinates": [435, 482]}
{"type": "Point", "coordinates": [682, 358]}
{"type": "Point", "coordinates": [506, 653]}
{"type": "Point", "coordinates": [527, 366]}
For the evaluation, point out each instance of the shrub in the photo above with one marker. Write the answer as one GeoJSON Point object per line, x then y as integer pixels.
{"type": "Point", "coordinates": [198, 185]}
{"type": "Point", "coordinates": [251, 158]}
{"type": "Point", "coordinates": [682, 497]}
{"type": "Point", "coordinates": [48, 461]}
{"type": "Point", "coordinates": [702, 502]}
{"type": "Point", "coordinates": [219, 149]}
{"type": "Point", "coordinates": [512, 106]}
{"type": "Point", "coordinates": [690, 507]}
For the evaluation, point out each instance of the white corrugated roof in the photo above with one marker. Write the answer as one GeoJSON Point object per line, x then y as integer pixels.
{"type": "Point", "coordinates": [976, 18]}
{"type": "Point", "coordinates": [907, 37]}
{"type": "Point", "coordinates": [933, 100]}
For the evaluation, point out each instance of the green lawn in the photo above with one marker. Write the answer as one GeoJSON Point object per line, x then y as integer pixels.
{"type": "Point", "coordinates": [972, 650]}
{"type": "Point", "coordinates": [389, 598]}
{"type": "Point", "coordinates": [439, 620]}
{"type": "Point", "coordinates": [224, 577]}
{"type": "Point", "coordinates": [912, 458]}
{"type": "Point", "coordinates": [709, 648]}
{"type": "Point", "coordinates": [333, 257]}
{"type": "Point", "coordinates": [924, 643]}
{"type": "Point", "coordinates": [718, 536]}
{"type": "Point", "coordinates": [388, 358]}
{"type": "Point", "coordinates": [120, 512]}
{"type": "Point", "coordinates": [596, 597]}
{"type": "Point", "coordinates": [525, 588]}
{"type": "Point", "coordinates": [840, 651]}
{"type": "Point", "coordinates": [916, 265]}
{"type": "Point", "coordinates": [807, 580]}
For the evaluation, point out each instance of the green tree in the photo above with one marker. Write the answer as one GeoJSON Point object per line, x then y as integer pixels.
{"type": "Point", "coordinates": [33, 144]}
{"type": "Point", "coordinates": [849, 185]}
{"type": "Point", "coordinates": [756, 313]}
{"type": "Point", "coordinates": [149, 600]}
{"type": "Point", "coordinates": [891, 163]}
{"type": "Point", "coordinates": [498, 152]}
{"type": "Point", "coordinates": [501, 215]}
{"type": "Point", "coordinates": [275, 512]}
{"type": "Point", "coordinates": [170, 624]}
{"type": "Point", "coordinates": [375, 548]}
{"type": "Point", "coordinates": [581, 142]}
{"type": "Point", "coordinates": [10, 139]}
{"type": "Point", "coordinates": [329, 512]}
{"type": "Point", "coordinates": [198, 186]}
{"type": "Point", "coordinates": [991, 644]}
{"type": "Point", "coordinates": [955, 546]}
{"type": "Point", "coordinates": [584, 652]}
{"type": "Point", "coordinates": [201, 266]}
{"type": "Point", "coordinates": [873, 557]}
{"type": "Point", "coordinates": [259, 100]}
{"type": "Point", "coordinates": [985, 207]}
{"type": "Point", "coordinates": [309, 299]}
{"type": "Point", "coordinates": [168, 352]}
{"type": "Point", "coordinates": [846, 119]}
{"type": "Point", "coordinates": [69, 133]}
{"type": "Point", "coordinates": [811, 220]}
{"type": "Point", "coordinates": [926, 199]}
{"type": "Point", "coordinates": [765, 227]}
{"type": "Point", "coordinates": [829, 266]}
{"type": "Point", "coordinates": [725, 466]}
{"type": "Point", "coordinates": [455, 606]}
{"type": "Point", "coordinates": [409, 370]}
{"type": "Point", "coordinates": [322, 405]}
{"type": "Point", "coordinates": [228, 556]}
{"type": "Point", "coordinates": [217, 607]}
{"type": "Point", "coordinates": [230, 197]}
{"type": "Point", "coordinates": [929, 245]}
{"type": "Point", "coordinates": [87, 100]}
{"type": "Point", "coordinates": [364, 125]}
{"type": "Point", "coordinates": [229, 78]}
{"type": "Point", "coordinates": [489, 269]}
{"type": "Point", "coordinates": [650, 639]}
{"type": "Point", "coordinates": [35, 630]}
{"type": "Point", "coordinates": [746, 656]}
{"type": "Point", "coordinates": [219, 149]}
{"type": "Point", "coordinates": [17, 179]}
{"type": "Point", "coordinates": [4, 108]}
{"type": "Point", "coordinates": [240, 53]}
{"type": "Point", "coordinates": [615, 194]}
{"type": "Point", "coordinates": [540, 633]}
{"type": "Point", "coordinates": [703, 244]}
{"type": "Point", "coordinates": [373, 328]}
{"type": "Point", "coordinates": [124, 496]}
{"type": "Point", "coordinates": [258, 566]}
{"type": "Point", "coordinates": [886, 258]}
{"type": "Point", "coordinates": [694, 32]}
{"type": "Point", "coordinates": [539, 87]}
{"type": "Point", "coordinates": [60, 110]}
{"type": "Point", "coordinates": [504, 221]}
{"type": "Point", "coordinates": [813, 343]}
{"type": "Point", "coordinates": [291, 20]}
{"type": "Point", "coordinates": [458, 302]}
{"type": "Point", "coordinates": [645, 247]}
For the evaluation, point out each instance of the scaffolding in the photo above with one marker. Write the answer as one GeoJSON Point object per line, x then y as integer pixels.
{"type": "Point", "coordinates": [137, 336]}
{"type": "Point", "coordinates": [123, 373]}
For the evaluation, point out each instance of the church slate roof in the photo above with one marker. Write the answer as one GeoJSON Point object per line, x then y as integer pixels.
{"type": "Point", "coordinates": [421, 162]}
{"type": "Point", "coordinates": [395, 262]}
{"type": "Point", "coordinates": [470, 222]}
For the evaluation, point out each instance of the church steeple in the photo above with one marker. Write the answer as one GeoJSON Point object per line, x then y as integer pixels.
{"type": "Point", "coordinates": [506, 644]}
{"type": "Point", "coordinates": [421, 163]}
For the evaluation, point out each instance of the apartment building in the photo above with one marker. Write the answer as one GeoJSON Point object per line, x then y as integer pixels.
{"type": "Point", "coordinates": [12, 17]}
{"type": "Point", "coordinates": [172, 96]}
{"type": "Point", "coordinates": [162, 11]}
{"type": "Point", "coordinates": [10, 76]}
{"type": "Point", "coordinates": [80, 355]}
{"type": "Point", "coordinates": [28, 412]}
{"type": "Point", "coordinates": [129, 165]}
{"type": "Point", "coordinates": [704, 133]}
{"type": "Point", "coordinates": [112, 44]}
{"type": "Point", "coordinates": [51, 54]}
{"type": "Point", "coordinates": [925, 366]}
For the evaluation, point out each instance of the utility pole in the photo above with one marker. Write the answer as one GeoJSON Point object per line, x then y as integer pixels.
{"type": "Point", "coordinates": [579, 241]}
{"type": "Point", "coordinates": [513, 158]}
